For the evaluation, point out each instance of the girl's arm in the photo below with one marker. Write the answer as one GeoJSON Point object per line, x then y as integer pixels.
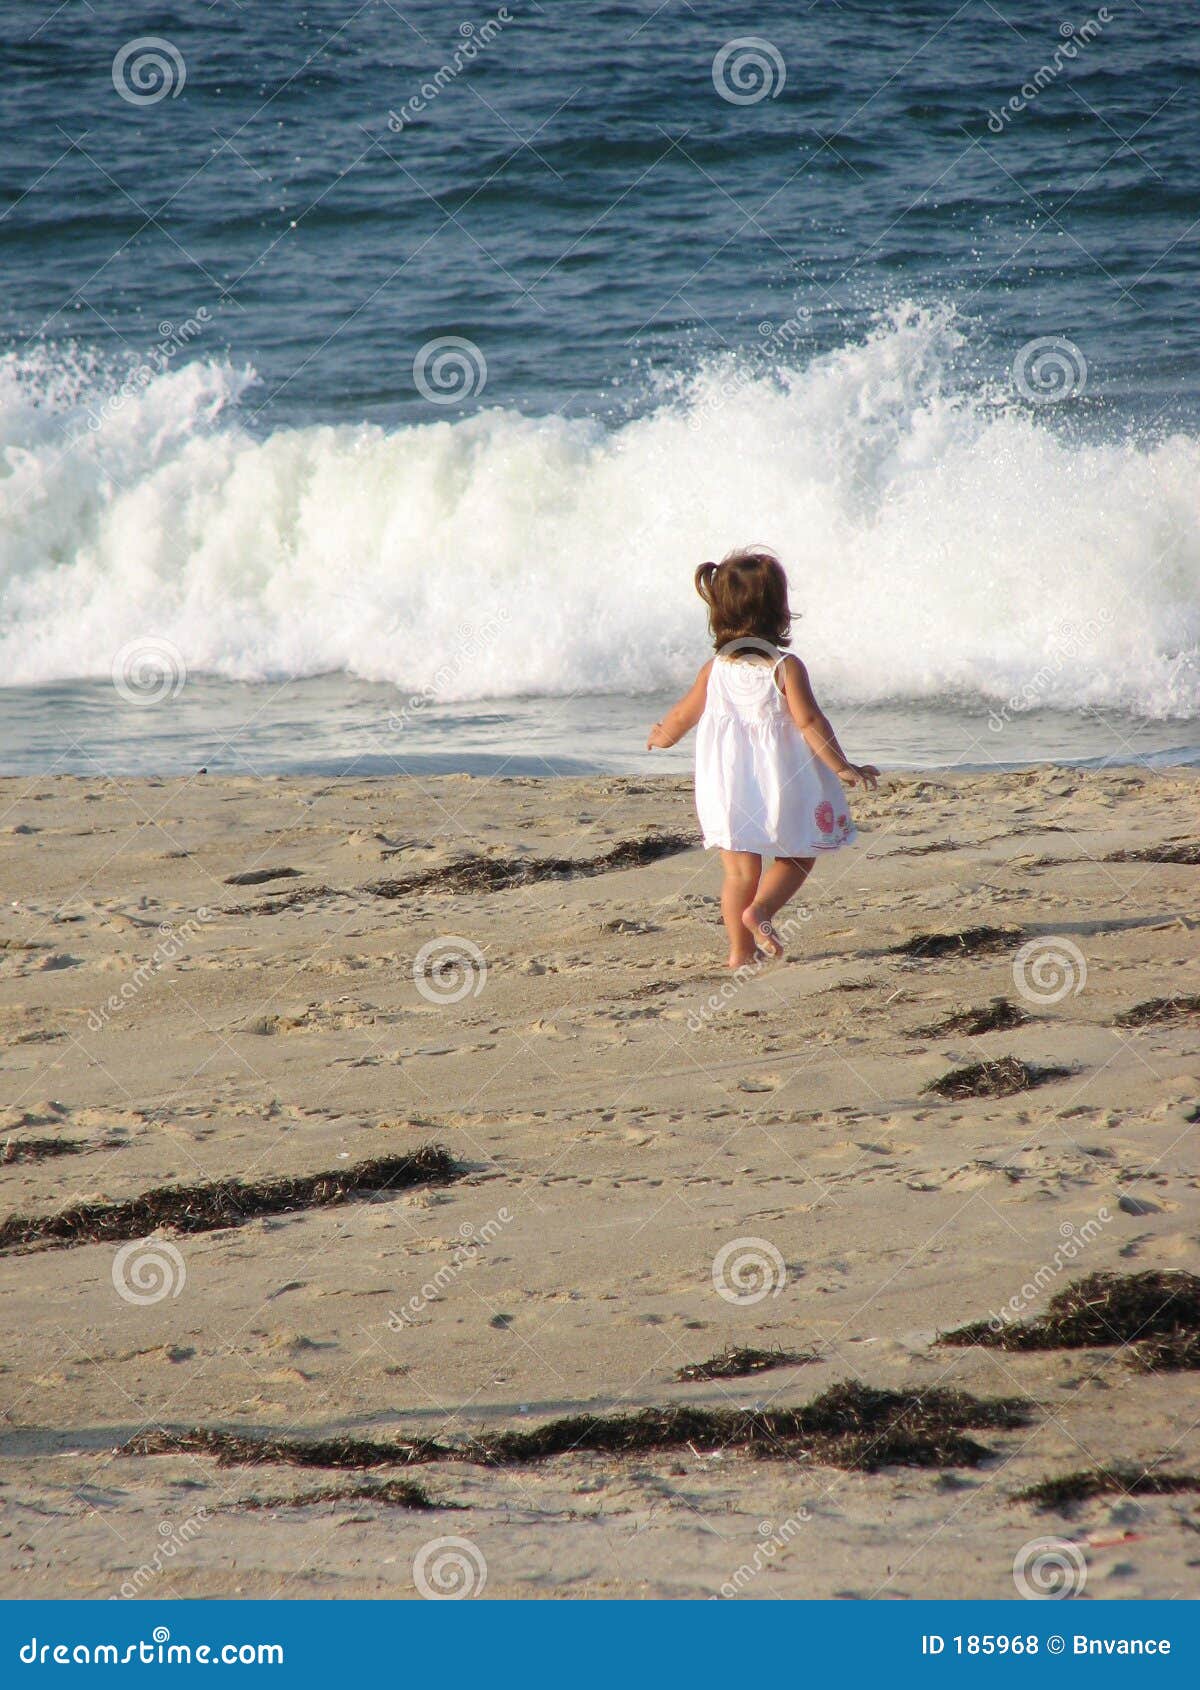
{"type": "Point", "coordinates": [681, 718]}
{"type": "Point", "coordinates": [815, 726]}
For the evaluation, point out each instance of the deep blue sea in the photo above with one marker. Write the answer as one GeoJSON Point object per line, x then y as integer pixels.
{"type": "Point", "coordinates": [375, 376]}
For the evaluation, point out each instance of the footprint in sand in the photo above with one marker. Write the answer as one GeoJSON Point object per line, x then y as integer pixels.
{"type": "Point", "coordinates": [1131, 1205]}
{"type": "Point", "coordinates": [266, 1026]}
{"type": "Point", "coordinates": [260, 876]}
{"type": "Point", "coordinates": [25, 962]}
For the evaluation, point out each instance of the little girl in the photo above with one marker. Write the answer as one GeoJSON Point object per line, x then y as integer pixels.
{"type": "Point", "coordinates": [767, 761]}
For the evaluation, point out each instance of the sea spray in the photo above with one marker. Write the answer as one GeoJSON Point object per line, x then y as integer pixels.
{"type": "Point", "coordinates": [937, 542]}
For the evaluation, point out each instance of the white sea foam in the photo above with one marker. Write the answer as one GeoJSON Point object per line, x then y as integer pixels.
{"type": "Point", "coordinates": [939, 543]}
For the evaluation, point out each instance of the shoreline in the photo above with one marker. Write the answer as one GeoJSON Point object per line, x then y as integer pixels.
{"type": "Point", "coordinates": [339, 727]}
{"type": "Point", "coordinates": [607, 1150]}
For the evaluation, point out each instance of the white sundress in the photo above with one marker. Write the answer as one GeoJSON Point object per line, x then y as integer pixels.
{"type": "Point", "coordinates": [758, 786]}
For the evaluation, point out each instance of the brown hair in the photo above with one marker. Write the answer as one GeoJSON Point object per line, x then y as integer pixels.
{"type": "Point", "coordinates": [747, 598]}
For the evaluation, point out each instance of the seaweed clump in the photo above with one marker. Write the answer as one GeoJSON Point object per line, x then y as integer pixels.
{"type": "Point", "coordinates": [740, 1363]}
{"type": "Point", "coordinates": [1064, 1493]}
{"type": "Point", "coordinates": [971, 941]}
{"type": "Point", "coordinates": [997, 1016]}
{"type": "Point", "coordinates": [1155, 1012]}
{"type": "Point", "coordinates": [851, 1426]}
{"type": "Point", "coordinates": [1156, 1312]}
{"type": "Point", "coordinates": [1169, 1352]}
{"type": "Point", "coordinates": [1002, 1078]}
{"type": "Point", "coordinates": [1187, 852]}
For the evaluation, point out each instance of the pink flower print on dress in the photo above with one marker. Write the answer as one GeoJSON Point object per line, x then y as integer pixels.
{"type": "Point", "coordinates": [824, 816]}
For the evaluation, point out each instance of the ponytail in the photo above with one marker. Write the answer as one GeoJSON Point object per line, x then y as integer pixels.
{"type": "Point", "coordinates": [747, 598]}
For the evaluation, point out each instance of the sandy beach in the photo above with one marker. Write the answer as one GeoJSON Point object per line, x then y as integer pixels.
{"type": "Point", "coordinates": [651, 1164]}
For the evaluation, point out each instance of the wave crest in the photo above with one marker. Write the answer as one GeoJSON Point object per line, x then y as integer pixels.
{"type": "Point", "coordinates": [938, 543]}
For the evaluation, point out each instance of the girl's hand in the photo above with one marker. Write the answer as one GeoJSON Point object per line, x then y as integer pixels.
{"type": "Point", "coordinates": [659, 739]}
{"type": "Point", "coordinates": [866, 773]}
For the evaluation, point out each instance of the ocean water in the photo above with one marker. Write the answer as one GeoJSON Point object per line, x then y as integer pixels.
{"type": "Point", "coordinates": [374, 379]}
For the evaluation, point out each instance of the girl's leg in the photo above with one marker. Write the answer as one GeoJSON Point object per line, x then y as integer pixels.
{"type": "Point", "coordinates": [742, 872]}
{"type": "Point", "coordinates": [782, 881]}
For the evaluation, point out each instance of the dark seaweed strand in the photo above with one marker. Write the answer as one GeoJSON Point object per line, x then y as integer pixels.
{"type": "Point", "coordinates": [740, 1363]}
{"type": "Point", "coordinates": [483, 874]}
{"type": "Point", "coordinates": [227, 1203]}
{"type": "Point", "coordinates": [395, 1493]}
{"type": "Point", "coordinates": [498, 874]}
{"type": "Point", "coordinates": [850, 1425]}
{"type": "Point", "coordinates": [45, 1149]}
{"type": "Point", "coordinates": [288, 900]}
{"type": "Point", "coordinates": [232, 1449]}
{"type": "Point", "coordinates": [1188, 853]}
{"type": "Point", "coordinates": [1063, 1493]}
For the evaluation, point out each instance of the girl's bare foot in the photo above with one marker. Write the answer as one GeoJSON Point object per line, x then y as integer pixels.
{"type": "Point", "coordinates": [743, 956]}
{"type": "Point", "coordinates": [764, 934]}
